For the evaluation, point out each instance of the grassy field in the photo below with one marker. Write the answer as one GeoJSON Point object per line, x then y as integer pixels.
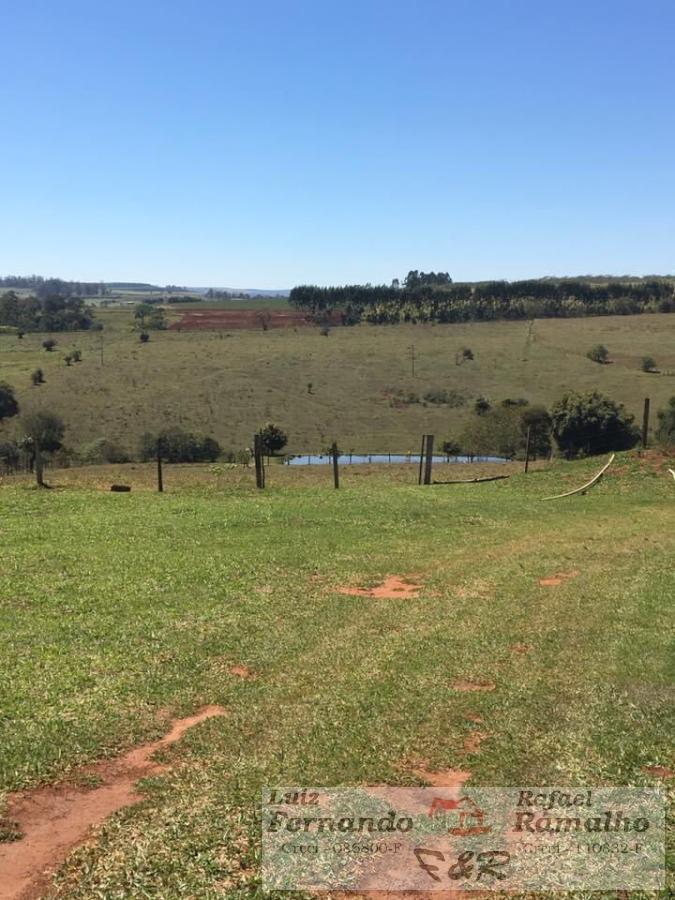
{"type": "Point", "coordinates": [228, 384]}
{"type": "Point", "coordinates": [120, 610]}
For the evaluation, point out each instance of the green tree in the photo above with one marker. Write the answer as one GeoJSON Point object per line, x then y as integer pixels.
{"type": "Point", "coordinates": [665, 431]}
{"type": "Point", "coordinates": [538, 420]}
{"type": "Point", "coordinates": [273, 438]}
{"type": "Point", "coordinates": [43, 434]}
{"type": "Point", "coordinates": [9, 405]}
{"type": "Point", "coordinates": [648, 364]}
{"type": "Point", "coordinates": [599, 354]}
{"type": "Point", "coordinates": [590, 423]}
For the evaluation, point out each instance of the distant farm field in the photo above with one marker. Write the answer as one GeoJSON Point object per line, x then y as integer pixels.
{"type": "Point", "coordinates": [352, 385]}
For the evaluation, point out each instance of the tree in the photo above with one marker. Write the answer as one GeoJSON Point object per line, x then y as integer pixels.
{"type": "Point", "coordinates": [538, 420]}
{"type": "Point", "coordinates": [49, 344]}
{"type": "Point", "coordinates": [273, 438]}
{"type": "Point", "coordinates": [9, 405]}
{"type": "Point", "coordinates": [648, 364]}
{"type": "Point", "coordinates": [44, 434]}
{"type": "Point", "coordinates": [149, 316]}
{"type": "Point", "coordinates": [599, 354]}
{"type": "Point", "coordinates": [665, 431]}
{"type": "Point", "coordinates": [590, 423]}
{"type": "Point", "coordinates": [451, 448]}
{"type": "Point", "coordinates": [178, 446]}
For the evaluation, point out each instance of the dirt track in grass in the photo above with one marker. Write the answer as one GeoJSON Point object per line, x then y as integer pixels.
{"type": "Point", "coordinates": [53, 819]}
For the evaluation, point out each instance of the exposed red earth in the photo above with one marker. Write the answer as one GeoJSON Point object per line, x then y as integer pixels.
{"type": "Point", "coordinates": [251, 319]}
{"type": "Point", "coordinates": [56, 818]}
{"type": "Point", "coordinates": [391, 588]}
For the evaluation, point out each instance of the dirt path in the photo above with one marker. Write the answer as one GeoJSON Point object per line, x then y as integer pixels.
{"type": "Point", "coordinates": [56, 818]}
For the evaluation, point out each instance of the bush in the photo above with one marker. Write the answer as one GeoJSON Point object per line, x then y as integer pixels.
{"type": "Point", "coordinates": [665, 431]}
{"type": "Point", "coordinates": [273, 438]}
{"type": "Point", "coordinates": [519, 401]}
{"type": "Point", "coordinates": [482, 406]}
{"type": "Point", "coordinates": [648, 364]}
{"type": "Point", "coordinates": [598, 354]}
{"type": "Point", "coordinates": [103, 451]}
{"type": "Point", "coordinates": [9, 405]}
{"type": "Point", "coordinates": [178, 446]}
{"type": "Point", "coordinates": [10, 456]}
{"type": "Point", "coordinates": [590, 423]}
{"type": "Point", "coordinates": [37, 377]}
{"type": "Point", "coordinates": [144, 337]}
{"type": "Point", "coordinates": [49, 344]}
{"type": "Point", "coordinates": [447, 398]}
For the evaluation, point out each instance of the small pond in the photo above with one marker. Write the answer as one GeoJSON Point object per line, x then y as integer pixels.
{"type": "Point", "coordinates": [360, 458]}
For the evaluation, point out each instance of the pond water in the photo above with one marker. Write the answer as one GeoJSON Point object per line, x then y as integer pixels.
{"type": "Point", "coordinates": [360, 458]}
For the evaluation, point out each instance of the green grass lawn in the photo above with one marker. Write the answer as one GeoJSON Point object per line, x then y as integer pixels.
{"type": "Point", "coordinates": [228, 384]}
{"type": "Point", "coordinates": [118, 608]}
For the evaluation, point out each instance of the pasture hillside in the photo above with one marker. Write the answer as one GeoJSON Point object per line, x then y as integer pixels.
{"type": "Point", "coordinates": [354, 384]}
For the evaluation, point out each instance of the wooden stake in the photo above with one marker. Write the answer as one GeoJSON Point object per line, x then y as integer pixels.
{"type": "Point", "coordinates": [527, 448]}
{"type": "Point", "coordinates": [429, 459]}
{"type": "Point", "coordinates": [336, 471]}
{"type": "Point", "coordinates": [39, 465]}
{"type": "Point", "coordinates": [645, 424]}
{"type": "Point", "coordinates": [259, 461]}
{"type": "Point", "coordinates": [160, 477]}
{"type": "Point", "coordinates": [424, 443]}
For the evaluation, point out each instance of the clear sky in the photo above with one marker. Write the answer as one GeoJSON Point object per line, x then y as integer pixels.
{"type": "Point", "coordinates": [265, 143]}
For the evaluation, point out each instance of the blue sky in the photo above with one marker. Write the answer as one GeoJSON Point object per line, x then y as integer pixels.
{"type": "Point", "coordinates": [273, 143]}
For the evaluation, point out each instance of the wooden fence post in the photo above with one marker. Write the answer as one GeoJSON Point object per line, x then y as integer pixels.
{"type": "Point", "coordinates": [259, 461]}
{"type": "Point", "coordinates": [160, 475]}
{"type": "Point", "coordinates": [429, 459]}
{"type": "Point", "coordinates": [39, 465]}
{"type": "Point", "coordinates": [527, 448]}
{"type": "Point", "coordinates": [645, 424]}
{"type": "Point", "coordinates": [419, 474]}
{"type": "Point", "coordinates": [336, 471]}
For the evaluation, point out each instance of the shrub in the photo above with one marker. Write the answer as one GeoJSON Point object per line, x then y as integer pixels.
{"type": "Point", "coordinates": [49, 344]}
{"type": "Point", "coordinates": [519, 401]}
{"type": "Point", "coordinates": [68, 359]}
{"type": "Point", "coordinates": [9, 405]}
{"type": "Point", "coordinates": [648, 364]}
{"type": "Point", "coordinates": [10, 455]}
{"type": "Point", "coordinates": [76, 356]}
{"type": "Point", "coordinates": [274, 438]}
{"type": "Point", "coordinates": [178, 446]}
{"type": "Point", "coordinates": [447, 398]}
{"type": "Point", "coordinates": [591, 423]}
{"type": "Point", "coordinates": [665, 431]}
{"type": "Point", "coordinates": [37, 377]}
{"type": "Point", "coordinates": [598, 354]}
{"type": "Point", "coordinates": [144, 337]}
{"type": "Point", "coordinates": [104, 451]}
{"type": "Point", "coordinates": [482, 406]}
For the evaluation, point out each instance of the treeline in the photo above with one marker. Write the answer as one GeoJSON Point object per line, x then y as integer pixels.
{"type": "Point", "coordinates": [434, 298]}
{"type": "Point", "coordinates": [49, 287]}
{"type": "Point", "coordinates": [51, 313]}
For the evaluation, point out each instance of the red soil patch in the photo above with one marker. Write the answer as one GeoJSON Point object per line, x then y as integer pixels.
{"type": "Point", "coordinates": [473, 685]}
{"type": "Point", "coordinates": [521, 648]}
{"type": "Point", "coordinates": [391, 588]}
{"type": "Point", "coordinates": [444, 777]}
{"type": "Point", "coordinates": [557, 579]}
{"type": "Point", "coordinates": [472, 717]}
{"type": "Point", "coordinates": [473, 741]}
{"type": "Point", "coordinates": [241, 671]}
{"type": "Point", "coordinates": [659, 771]}
{"type": "Point", "coordinates": [56, 818]}
{"type": "Point", "coordinates": [252, 319]}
